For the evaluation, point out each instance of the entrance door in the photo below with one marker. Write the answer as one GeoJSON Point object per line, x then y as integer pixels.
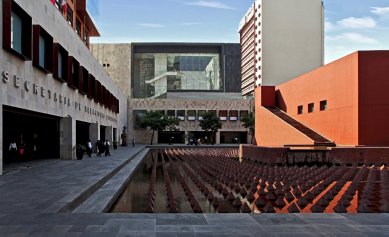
{"type": "Point", "coordinates": [82, 133]}
{"type": "Point", "coordinates": [102, 133]}
{"type": "Point", "coordinates": [36, 135]}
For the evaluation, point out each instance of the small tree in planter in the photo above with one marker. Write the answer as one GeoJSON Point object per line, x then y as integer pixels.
{"type": "Point", "coordinates": [210, 124]}
{"type": "Point", "coordinates": [248, 122]}
{"type": "Point", "coordinates": [80, 150]}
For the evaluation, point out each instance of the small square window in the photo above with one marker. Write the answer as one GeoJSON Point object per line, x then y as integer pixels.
{"type": "Point", "coordinates": [223, 115]}
{"type": "Point", "coordinates": [191, 115]}
{"type": "Point", "coordinates": [311, 107]}
{"type": "Point", "coordinates": [200, 114]}
{"type": "Point", "coordinates": [323, 105]}
{"type": "Point", "coordinates": [171, 113]}
{"type": "Point", "coordinates": [181, 115]}
{"type": "Point", "coordinates": [300, 109]}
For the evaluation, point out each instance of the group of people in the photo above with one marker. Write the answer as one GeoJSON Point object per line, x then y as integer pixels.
{"type": "Point", "coordinates": [102, 147]}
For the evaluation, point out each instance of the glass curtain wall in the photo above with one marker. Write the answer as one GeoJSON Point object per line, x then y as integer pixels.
{"type": "Point", "coordinates": [155, 74]}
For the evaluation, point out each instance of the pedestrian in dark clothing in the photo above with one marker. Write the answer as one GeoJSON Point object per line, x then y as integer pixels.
{"type": "Point", "coordinates": [100, 147]}
{"type": "Point", "coordinates": [106, 145]}
{"type": "Point", "coordinates": [133, 142]}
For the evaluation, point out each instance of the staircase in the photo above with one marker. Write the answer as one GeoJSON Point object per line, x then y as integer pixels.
{"type": "Point", "coordinates": [318, 139]}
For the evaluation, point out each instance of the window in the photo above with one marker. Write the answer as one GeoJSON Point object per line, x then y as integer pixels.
{"type": "Point", "coordinates": [60, 62]}
{"type": "Point", "coordinates": [97, 92]}
{"type": "Point", "coordinates": [323, 105]}
{"type": "Point", "coordinates": [74, 79]}
{"type": "Point", "coordinates": [181, 115]}
{"type": "Point", "coordinates": [69, 15]}
{"type": "Point", "coordinates": [233, 115]}
{"type": "Point", "coordinates": [223, 115]}
{"type": "Point", "coordinates": [300, 109]}
{"type": "Point", "coordinates": [311, 107]}
{"type": "Point", "coordinates": [191, 115]}
{"type": "Point", "coordinates": [17, 25]}
{"type": "Point", "coordinates": [91, 85]}
{"type": "Point", "coordinates": [86, 37]}
{"type": "Point", "coordinates": [138, 117]}
{"type": "Point", "coordinates": [42, 49]}
{"type": "Point", "coordinates": [78, 27]}
{"type": "Point", "coordinates": [171, 113]}
{"type": "Point", "coordinates": [212, 111]}
{"type": "Point", "coordinates": [162, 112]}
{"type": "Point", "coordinates": [85, 81]}
{"type": "Point", "coordinates": [243, 113]}
{"type": "Point", "coordinates": [200, 114]}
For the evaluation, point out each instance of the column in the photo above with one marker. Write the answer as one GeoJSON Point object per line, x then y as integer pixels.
{"type": "Point", "coordinates": [67, 138]}
{"type": "Point", "coordinates": [217, 137]}
{"type": "Point", "coordinates": [186, 137]}
{"type": "Point", "coordinates": [1, 140]}
{"type": "Point", "coordinates": [94, 135]}
{"type": "Point", "coordinates": [109, 134]}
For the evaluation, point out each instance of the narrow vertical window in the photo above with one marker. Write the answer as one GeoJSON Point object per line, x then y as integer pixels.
{"type": "Point", "coordinates": [16, 33]}
{"type": "Point", "coordinates": [311, 107]}
{"type": "Point", "coordinates": [300, 109]}
{"type": "Point", "coordinates": [323, 105]}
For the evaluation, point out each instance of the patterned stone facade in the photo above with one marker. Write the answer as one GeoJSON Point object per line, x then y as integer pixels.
{"type": "Point", "coordinates": [144, 135]}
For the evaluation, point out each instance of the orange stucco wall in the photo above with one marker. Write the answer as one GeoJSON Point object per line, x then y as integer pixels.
{"type": "Point", "coordinates": [374, 98]}
{"type": "Point", "coordinates": [271, 130]}
{"type": "Point", "coordinates": [337, 83]}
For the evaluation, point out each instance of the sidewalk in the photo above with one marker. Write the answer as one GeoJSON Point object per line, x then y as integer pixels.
{"type": "Point", "coordinates": [47, 186]}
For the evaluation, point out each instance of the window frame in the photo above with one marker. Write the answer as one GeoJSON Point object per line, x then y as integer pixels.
{"type": "Point", "coordinates": [75, 84]}
{"type": "Point", "coordinates": [57, 49]}
{"type": "Point", "coordinates": [223, 118]}
{"type": "Point", "coordinates": [39, 32]}
{"type": "Point", "coordinates": [10, 6]}
{"type": "Point", "coordinates": [191, 115]}
{"type": "Point", "coordinates": [179, 116]}
{"type": "Point", "coordinates": [69, 10]}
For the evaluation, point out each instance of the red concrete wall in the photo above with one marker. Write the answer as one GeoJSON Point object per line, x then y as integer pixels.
{"type": "Point", "coordinates": [265, 95]}
{"type": "Point", "coordinates": [337, 83]}
{"type": "Point", "coordinates": [273, 131]}
{"type": "Point", "coordinates": [374, 98]}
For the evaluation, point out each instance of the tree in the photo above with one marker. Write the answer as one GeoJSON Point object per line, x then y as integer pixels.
{"type": "Point", "coordinates": [156, 121]}
{"type": "Point", "coordinates": [248, 122]}
{"type": "Point", "coordinates": [171, 125]}
{"type": "Point", "coordinates": [210, 123]}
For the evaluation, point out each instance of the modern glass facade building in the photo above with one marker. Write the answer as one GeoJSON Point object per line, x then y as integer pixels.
{"type": "Point", "coordinates": [157, 73]}
{"type": "Point", "coordinates": [159, 69]}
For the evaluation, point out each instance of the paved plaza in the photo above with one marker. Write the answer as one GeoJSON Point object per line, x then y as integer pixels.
{"type": "Point", "coordinates": [67, 198]}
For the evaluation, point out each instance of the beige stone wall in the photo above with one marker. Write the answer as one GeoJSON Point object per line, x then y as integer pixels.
{"type": "Point", "coordinates": [117, 56]}
{"type": "Point", "coordinates": [144, 135]}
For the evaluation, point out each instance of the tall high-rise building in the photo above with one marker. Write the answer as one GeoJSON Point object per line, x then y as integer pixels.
{"type": "Point", "coordinates": [280, 39]}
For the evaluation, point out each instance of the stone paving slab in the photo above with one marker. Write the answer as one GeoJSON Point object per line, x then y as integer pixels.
{"type": "Point", "coordinates": [32, 195]}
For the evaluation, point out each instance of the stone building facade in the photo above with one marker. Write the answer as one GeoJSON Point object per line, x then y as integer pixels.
{"type": "Point", "coordinates": [51, 101]}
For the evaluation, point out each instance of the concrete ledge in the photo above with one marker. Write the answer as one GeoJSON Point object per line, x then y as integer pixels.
{"type": "Point", "coordinates": [103, 198]}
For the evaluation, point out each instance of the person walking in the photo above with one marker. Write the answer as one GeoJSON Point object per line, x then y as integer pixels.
{"type": "Point", "coordinates": [13, 149]}
{"type": "Point", "coordinates": [106, 145]}
{"type": "Point", "coordinates": [100, 147]}
{"type": "Point", "coordinates": [133, 142]}
{"type": "Point", "coordinates": [89, 148]}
